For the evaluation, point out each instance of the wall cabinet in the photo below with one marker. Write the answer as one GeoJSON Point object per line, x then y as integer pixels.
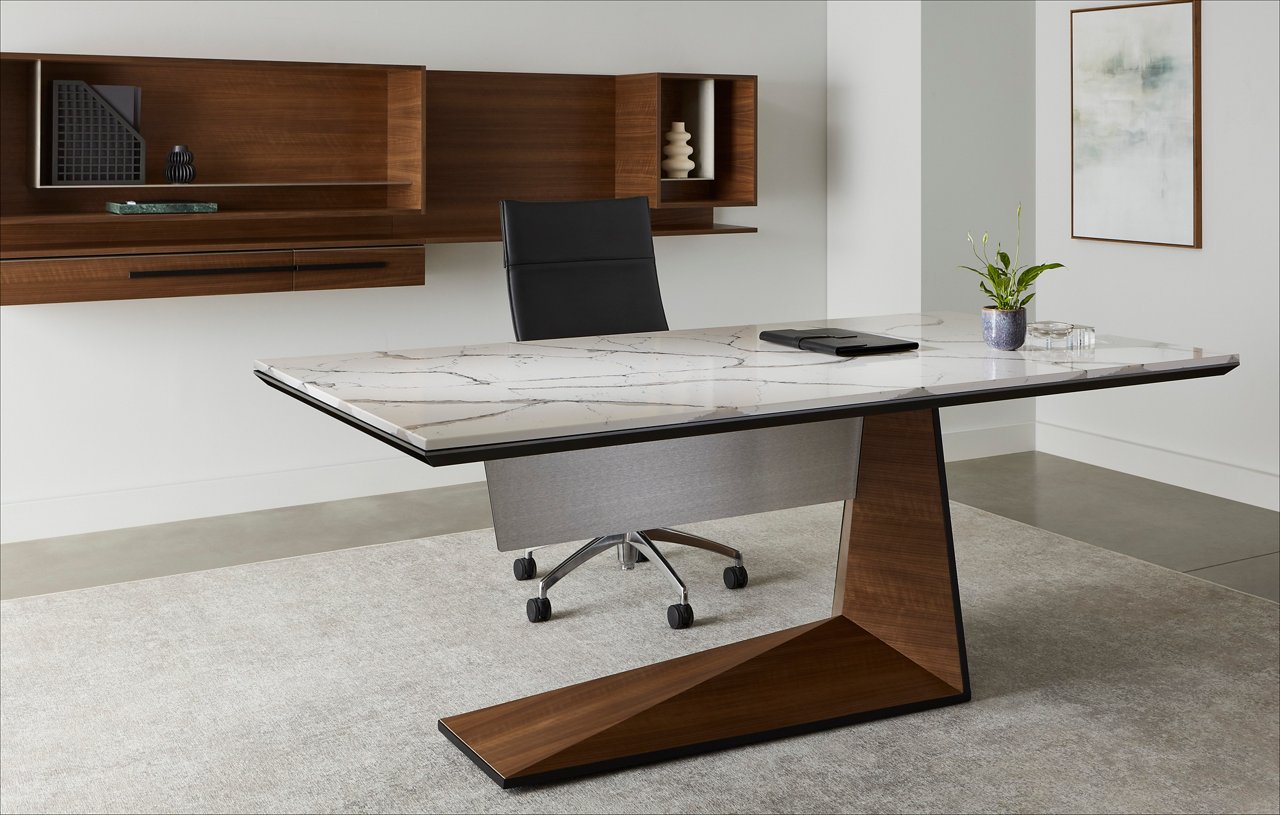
{"type": "Point", "coordinates": [130, 277]}
{"type": "Point", "coordinates": [336, 176]}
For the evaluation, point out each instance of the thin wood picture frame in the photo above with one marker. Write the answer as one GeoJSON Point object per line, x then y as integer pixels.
{"type": "Point", "coordinates": [1136, 196]}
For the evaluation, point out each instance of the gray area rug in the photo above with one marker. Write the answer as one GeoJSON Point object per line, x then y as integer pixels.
{"type": "Point", "coordinates": [1101, 684]}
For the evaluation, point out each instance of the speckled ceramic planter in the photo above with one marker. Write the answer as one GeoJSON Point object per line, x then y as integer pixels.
{"type": "Point", "coordinates": [1004, 330]}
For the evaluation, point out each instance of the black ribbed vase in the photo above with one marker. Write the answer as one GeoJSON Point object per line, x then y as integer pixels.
{"type": "Point", "coordinates": [178, 168]}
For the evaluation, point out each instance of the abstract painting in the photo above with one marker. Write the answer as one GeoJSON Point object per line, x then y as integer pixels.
{"type": "Point", "coordinates": [1135, 123]}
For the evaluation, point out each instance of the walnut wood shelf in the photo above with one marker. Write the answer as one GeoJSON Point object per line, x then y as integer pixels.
{"type": "Point", "coordinates": [71, 218]}
{"type": "Point", "coordinates": [658, 232]}
{"type": "Point", "coordinates": [704, 203]}
{"type": "Point", "coordinates": [344, 156]}
{"type": "Point", "coordinates": [334, 241]}
{"type": "Point", "coordinates": [199, 184]}
{"type": "Point", "coordinates": [714, 229]}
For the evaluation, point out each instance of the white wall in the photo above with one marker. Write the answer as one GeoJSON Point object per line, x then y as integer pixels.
{"type": "Point", "coordinates": [924, 142]}
{"type": "Point", "coordinates": [1222, 435]}
{"type": "Point", "coordinates": [873, 157]}
{"type": "Point", "coordinates": [126, 413]}
{"type": "Point", "coordinates": [116, 414]}
{"type": "Point", "coordinates": [978, 141]}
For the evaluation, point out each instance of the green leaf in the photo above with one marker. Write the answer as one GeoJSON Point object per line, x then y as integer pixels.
{"type": "Point", "coordinates": [1026, 300]}
{"type": "Point", "coordinates": [1032, 272]}
{"type": "Point", "coordinates": [1004, 259]}
{"type": "Point", "coordinates": [994, 277]}
{"type": "Point", "coordinates": [975, 271]}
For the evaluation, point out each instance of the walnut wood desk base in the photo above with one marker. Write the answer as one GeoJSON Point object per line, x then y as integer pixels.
{"type": "Point", "coordinates": [894, 644]}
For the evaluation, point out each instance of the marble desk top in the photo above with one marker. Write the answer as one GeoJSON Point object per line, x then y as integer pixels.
{"type": "Point", "coordinates": [441, 400]}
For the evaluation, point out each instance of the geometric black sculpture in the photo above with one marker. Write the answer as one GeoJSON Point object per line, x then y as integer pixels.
{"type": "Point", "coordinates": [93, 142]}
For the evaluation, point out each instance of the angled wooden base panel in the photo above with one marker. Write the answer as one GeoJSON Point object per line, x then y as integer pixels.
{"type": "Point", "coordinates": [894, 645]}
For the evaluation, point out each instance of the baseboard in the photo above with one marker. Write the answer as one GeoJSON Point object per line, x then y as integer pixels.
{"type": "Point", "coordinates": [958, 445]}
{"type": "Point", "coordinates": [73, 515]}
{"type": "Point", "coordinates": [1218, 478]}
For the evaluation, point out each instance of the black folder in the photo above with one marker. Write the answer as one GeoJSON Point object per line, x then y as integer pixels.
{"type": "Point", "coordinates": [837, 341]}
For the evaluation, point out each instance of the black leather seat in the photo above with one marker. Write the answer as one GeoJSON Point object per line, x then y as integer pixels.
{"type": "Point", "coordinates": [587, 268]}
{"type": "Point", "coordinates": [581, 268]}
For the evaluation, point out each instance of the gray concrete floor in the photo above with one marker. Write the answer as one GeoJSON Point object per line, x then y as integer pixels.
{"type": "Point", "coordinates": [1226, 542]}
{"type": "Point", "coordinates": [119, 555]}
{"type": "Point", "coordinates": [1223, 541]}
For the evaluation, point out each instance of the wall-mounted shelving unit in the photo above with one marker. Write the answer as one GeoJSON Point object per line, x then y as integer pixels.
{"type": "Point", "coordinates": [375, 158]}
{"type": "Point", "coordinates": [299, 157]}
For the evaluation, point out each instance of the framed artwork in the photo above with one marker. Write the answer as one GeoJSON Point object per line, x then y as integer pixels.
{"type": "Point", "coordinates": [1135, 123]}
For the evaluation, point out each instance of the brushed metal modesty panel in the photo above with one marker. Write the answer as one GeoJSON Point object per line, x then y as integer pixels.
{"type": "Point", "coordinates": [582, 494]}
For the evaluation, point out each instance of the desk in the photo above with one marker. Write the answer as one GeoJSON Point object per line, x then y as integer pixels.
{"type": "Point", "coordinates": [611, 406]}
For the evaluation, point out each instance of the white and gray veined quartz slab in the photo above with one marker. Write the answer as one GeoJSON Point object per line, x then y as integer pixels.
{"type": "Point", "coordinates": [445, 398]}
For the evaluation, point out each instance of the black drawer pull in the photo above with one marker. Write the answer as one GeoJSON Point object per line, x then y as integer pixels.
{"type": "Point", "coordinates": [322, 267]}
{"type": "Point", "coordinates": [208, 271]}
{"type": "Point", "coordinates": [302, 267]}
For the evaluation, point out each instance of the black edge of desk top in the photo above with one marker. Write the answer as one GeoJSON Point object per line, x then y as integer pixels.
{"type": "Point", "coordinates": [560, 444]}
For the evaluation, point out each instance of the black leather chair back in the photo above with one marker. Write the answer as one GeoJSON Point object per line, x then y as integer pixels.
{"type": "Point", "coordinates": [581, 268]}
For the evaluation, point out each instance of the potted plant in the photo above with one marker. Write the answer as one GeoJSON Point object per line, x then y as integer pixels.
{"type": "Point", "coordinates": [1004, 325]}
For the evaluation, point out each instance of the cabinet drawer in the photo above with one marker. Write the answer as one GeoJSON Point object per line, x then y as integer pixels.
{"type": "Point", "coordinates": [358, 268]}
{"type": "Point", "coordinates": [64, 280]}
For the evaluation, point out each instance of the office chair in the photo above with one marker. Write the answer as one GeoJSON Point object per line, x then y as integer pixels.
{"type": "Point", "coordinates": [586, 268]}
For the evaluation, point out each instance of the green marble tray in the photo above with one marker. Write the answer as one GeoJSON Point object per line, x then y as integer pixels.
{"type": "Point", "coordinates": [159, 207]}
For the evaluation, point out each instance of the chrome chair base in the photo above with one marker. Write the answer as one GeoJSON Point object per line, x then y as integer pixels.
{"type": "Point", "coordinates": [629, 546]}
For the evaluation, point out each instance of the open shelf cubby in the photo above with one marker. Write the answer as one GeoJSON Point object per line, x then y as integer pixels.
{"type": "Point", "coordinates": [266, 136]}
{"type": "Point", "coordinates": [256, 124]}
{"type": "Point", "coordinates": [719, 112]}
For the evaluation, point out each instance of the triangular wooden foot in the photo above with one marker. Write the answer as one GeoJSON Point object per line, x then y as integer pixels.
{"type": "Point", "coordinates": [818, 675]}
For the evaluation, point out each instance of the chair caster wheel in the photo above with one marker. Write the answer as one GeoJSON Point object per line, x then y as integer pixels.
{"type": "Point", "coordinates": [538, 609]}
{"type": "Point", "coordinates": [735, 577]}
{"type": "Point", "coordinates": [525, 568]}
{"type": "Point", "coordinates": [680, 615]}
